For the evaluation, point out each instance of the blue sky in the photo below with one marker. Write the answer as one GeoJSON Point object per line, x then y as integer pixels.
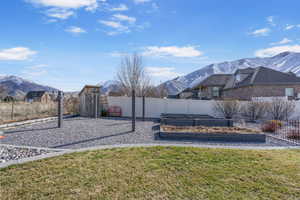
{"type": "Point", "coordinates": [69, 43]}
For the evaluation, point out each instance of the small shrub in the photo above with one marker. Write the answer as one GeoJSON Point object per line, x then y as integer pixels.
{"type": "Point", "coordinates": [294, 134]}
{"type": "Point", "coordinates": [271, 126]}
{"type": "Point", "coordinates": [227, 108]}
{"type": "Point", "coordinates": [280, 109]}
{"type": "Point", "coordinates": [254, 110]}
{"type": "Point", "coordinates": [104, 113]}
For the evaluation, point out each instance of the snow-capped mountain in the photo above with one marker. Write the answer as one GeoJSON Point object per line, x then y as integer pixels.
{"type": "Point", "coordinates": [285, 62]}
{"type": "Point", "coordinates": [109, 86]}
{"type": "Point", "coordinates": [18, 87]}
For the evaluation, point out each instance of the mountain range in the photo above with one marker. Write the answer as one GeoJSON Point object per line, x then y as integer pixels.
{"type": "Point", "coordinates": [284, 62]}
{"type": "Point", "coordinates": [18, 87]}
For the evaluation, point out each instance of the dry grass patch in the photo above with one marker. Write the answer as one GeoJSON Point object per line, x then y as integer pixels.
{"type": "Point", "coordinates": [205, 129]}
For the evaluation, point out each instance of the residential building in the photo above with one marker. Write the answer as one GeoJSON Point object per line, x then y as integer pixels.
{"type": "Point", "coordinates": [245, 84]}
{"type": "Point", "coordinates": [38, 96]}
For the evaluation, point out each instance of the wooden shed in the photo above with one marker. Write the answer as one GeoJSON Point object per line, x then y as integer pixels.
{"type": "Point", "coordinates": [90, 102]}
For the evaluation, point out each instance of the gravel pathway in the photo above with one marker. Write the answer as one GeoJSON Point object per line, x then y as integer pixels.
{"type": "Point", "coordinates": [85, 132]}
{"type": "Point", "coordinates": [9, 153]}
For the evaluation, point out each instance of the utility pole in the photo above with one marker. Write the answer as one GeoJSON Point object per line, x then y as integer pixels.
{"type": "Point", "coordinates": [60, 109]}
{"type": "Point", "coordinates": [133, 110]}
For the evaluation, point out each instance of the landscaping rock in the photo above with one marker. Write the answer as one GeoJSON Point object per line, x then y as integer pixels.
{"type": "Point", "coordinates": [8, 153]}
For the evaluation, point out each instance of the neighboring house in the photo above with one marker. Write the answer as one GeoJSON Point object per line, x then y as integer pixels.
{"type": "Point", "coordinates": [247, 83]}
{"type": "Point", "coordinates": [9, 99]}
{"type": "Point", "coordinates": [38, 96]}
{"type": "Point", "coordinates": [210, 88]}
{"type": "Point", "coordinates": [90, 105]}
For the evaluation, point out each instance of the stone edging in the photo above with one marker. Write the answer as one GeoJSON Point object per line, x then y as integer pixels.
{"type": "Point", "coordinates": [64, 151]}
{"type": "Point", "coordinates": [21, 123]}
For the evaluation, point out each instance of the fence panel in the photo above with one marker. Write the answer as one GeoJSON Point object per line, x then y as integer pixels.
{"type": "Point", "coordinates": [155, 106]}
{"type": "Point", "coordinates": [289, 131]}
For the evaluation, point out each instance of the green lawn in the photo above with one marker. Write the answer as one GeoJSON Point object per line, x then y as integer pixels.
{"type": "Point", "coordinates": [157, 173]}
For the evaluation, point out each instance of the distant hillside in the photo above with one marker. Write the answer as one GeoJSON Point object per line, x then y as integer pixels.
{"type": "Point", "coordinates": [18, 87]}
{"type": "Point", "coordinates": [285, 62]}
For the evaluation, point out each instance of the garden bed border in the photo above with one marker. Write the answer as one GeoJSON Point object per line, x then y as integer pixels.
{"type": "Point", "coordinates": [216, 137]}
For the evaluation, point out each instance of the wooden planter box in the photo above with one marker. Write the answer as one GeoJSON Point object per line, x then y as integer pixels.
{"type": "Point", "coordinates": [215, 137]}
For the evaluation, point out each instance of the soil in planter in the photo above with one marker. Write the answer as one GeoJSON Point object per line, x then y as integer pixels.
{"type": "Point", "coordinates": [205, 129]}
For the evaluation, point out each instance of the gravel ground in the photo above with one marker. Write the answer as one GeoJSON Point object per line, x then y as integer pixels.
{"type": "Point", "coordinates": [85, 132]}
{"type": "Point", "coordinates": [8, 153]}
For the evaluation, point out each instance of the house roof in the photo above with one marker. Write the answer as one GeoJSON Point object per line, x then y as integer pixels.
{"type": "Point", "coordinates": [215, 80]}
{"type": "Point", "coordinates": [35, 94]}
{"type": "Point", "coordinates": [247, 70]}
{"type": "Point", "coordinates": [264, 76]}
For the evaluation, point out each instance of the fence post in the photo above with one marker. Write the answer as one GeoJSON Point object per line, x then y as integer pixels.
{"type": "Point", "coordinates": [12, 109]}
{"type": "Point", "coordinates": [95, 105]}
{"type": "Point", "coordinates": [143, 107]}
{"type": "Point", "coordinates": [60, 109]}
{"type": "Point", "coordinates": [133, 110]}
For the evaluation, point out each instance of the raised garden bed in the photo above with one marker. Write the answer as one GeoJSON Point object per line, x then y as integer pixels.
{"type": "Point", "coordinates": [223, 134]}
{"type": "Point", "coordinates": [194, 120]}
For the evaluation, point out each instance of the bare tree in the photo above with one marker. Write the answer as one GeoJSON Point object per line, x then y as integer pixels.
{"type": "Point", "coordinates": [157, 92]}
{"type": "Point", "coordinates": [1, 89]}
{"type": "Point", "coordinates": [162, 91]}
{"type": "Point", "coordinates": [280, 109]}
{"type": "Point", "coordinates": [227, 108]}
{"type": "Point", "coordinates": [134, 80]}
{"type": "Point", "coordinates": [132, 75]}
{"type": "Point", "coordinates": [254, 110]}
{"type": "Point", "coordinates": [3, 92]}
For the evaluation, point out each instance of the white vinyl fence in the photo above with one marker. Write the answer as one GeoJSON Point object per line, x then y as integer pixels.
{"type": "Point", "coordinates": [155, 106]}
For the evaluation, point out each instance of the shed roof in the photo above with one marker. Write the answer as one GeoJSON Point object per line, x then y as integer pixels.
{"type": "Point", "coordinates": [89, 86]}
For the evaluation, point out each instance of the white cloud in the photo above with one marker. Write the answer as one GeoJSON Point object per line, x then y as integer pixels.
{"type": "Point", "coordinates": [117, 26]}
{"type": "Point", "coordinates": [63, 9]}
{"type": "Point", "coordinates": [276, 50]}
{"type": "Point", "coordinates": [126, 18]}
{"type": "Point", "coordinates": [162, 72]}
{"type": "Point", "coordinates": [36, 70]}
{"type": "Point", "coordinates": [59, 13]}
{"type": "Point", "coordinates": [261, 32]}
{"type": "Point", "coordinates": [67, 4]}
{"type": "Point", "coordinates": [141, 1]}
{"type": "Point", "coordinates": [16, 53]}
{"type": "Point", "coordinates": [154, 6]}
{"type": "Point", "coordinates": [283, 41]}
{"type": "Point", "coordinates": [270, 20]}
{"type": "Point", "coordinates": [120, 23]}
{"type": "Point", "coordinates": [121, 7]}
{"type": "Point", "coordinates": [288, 27]}
{"type": "Point", "coordinates": [185, 51]}
{"type": "Point", "coordinates": [75, 30]}
{"type": "Point", "coordinates": [114, 24]}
